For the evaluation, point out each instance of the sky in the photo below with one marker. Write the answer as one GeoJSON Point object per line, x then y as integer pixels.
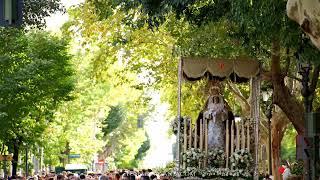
{"type": "Point", "coordinates": [55, 21]}
{"type": "Point", "coordinates": [157, 127]}
{"type": "Point", "coordinates": [160, 152]}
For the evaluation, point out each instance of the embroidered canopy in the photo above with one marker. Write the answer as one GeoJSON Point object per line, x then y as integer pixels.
{"type": "Point", "coordinates": [197, 68]}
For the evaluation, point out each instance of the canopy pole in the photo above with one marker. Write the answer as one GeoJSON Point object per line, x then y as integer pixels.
{"type": "Point", "coordinates": [179, 116]}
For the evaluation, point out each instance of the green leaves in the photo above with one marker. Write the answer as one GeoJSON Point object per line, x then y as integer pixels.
{"type": "Point", "coordinates": [117, 50]}
{"type": "Point", "coordinates": [35, 12]}
{"type": "Point", "coordinates": [115, 117]}
{"type": "Point", "coordinates": [288, 145]}
{"type": "Point", "coordinates": [35, 76]}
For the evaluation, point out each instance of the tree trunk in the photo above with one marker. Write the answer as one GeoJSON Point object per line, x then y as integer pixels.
{"type": "Point", "coordinates": [281, 94]}
{"type": "Point", "coordinates": [15, 158]}
{"type": "Point", "coordinates": [276, 141]}
{"type": "Point", "coordinates": [279, 124]}
{"type": "Point", "coordinates": [67, 153]}
{"type": "Point", "coordinates": [288, 104]}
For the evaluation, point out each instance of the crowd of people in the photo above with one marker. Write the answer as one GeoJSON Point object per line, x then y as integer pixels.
{"type": "Point", "coordinates": [131, 174]}
{"type": "Point", "coordinates": [111, 175]}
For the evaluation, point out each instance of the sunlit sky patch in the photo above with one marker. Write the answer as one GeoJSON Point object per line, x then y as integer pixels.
{"type": "Point", "coordinates": [55, 21]}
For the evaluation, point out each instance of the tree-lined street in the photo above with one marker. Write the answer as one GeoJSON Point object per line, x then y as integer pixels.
{"type": "Point", "coordinates": [88, 92]}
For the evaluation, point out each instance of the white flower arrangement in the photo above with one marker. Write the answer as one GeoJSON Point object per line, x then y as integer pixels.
{"type": "Point", "coordinates": [241, 159]}
{"type": "Point", "coordinates": [214, 172]}
{"type": "Point", "coordinates": [240, 162]}
{"type": "Point", "coordinates": [216, 158]}
{"type": "Point", "coordinates": [193, 156]}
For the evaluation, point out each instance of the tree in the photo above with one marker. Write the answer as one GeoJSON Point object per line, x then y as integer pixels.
{"type": "Point", "coordinates": [280, 36]}
{"type": "Point", "coordinates": [100, 88]}
{"type": "Point", "coordinates": [35, 12]}
{"type": "Point", "coordinates": [115, 117]}
{"type": "Point", "coordinates": [253, 24]}
{"type": "Point", "coordinates": [288, 149]}
{"type": "Point", "coordinates": [35, 77]}
{"type": "Point", "coordinates": [205, 28]}
{"type": "Point", "coordinates": [142, 152]}
{"type": "Point", "coordinates": [259, 26]}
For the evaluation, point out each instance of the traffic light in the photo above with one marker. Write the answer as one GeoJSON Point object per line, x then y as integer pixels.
{"type": "Point", "coordinates": [11, 12]}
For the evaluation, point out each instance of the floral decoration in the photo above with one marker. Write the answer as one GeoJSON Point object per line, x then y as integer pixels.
{"type": "Point", "coordinates": [216, 158]}
{"type": "Point", "coordinates": [209, 173]}
{"type": "Point", "coordinates": [241, 159]}
{"type": "Point", "coordinates": [193, 156]}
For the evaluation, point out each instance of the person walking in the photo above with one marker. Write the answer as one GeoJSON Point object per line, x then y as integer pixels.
{"type": "Point", "coordinates": [286, 171]}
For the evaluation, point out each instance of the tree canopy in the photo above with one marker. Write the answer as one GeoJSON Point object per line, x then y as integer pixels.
{"type": "Point", "coordinates": [36, 76]}
{"type": "Point", "coordinates": [222, 28]}
{"type": "Point", "coordinates": [35, 13]}
{"type": "Point", "coordinates": [34, 80]}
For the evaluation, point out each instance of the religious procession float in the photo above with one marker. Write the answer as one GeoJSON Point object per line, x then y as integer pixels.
{"type": "Point", "coordinates": [217, 144]}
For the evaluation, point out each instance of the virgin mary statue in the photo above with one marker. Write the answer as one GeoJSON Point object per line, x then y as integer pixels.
{"type": "Point", "coordinates": [216, 113]}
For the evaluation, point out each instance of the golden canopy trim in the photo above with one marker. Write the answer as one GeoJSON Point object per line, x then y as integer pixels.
{"type": "Point", "coordinates": [196, 68]}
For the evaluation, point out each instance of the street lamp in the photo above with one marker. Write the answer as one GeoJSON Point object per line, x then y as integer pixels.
{"type": "Point", "coordinates": [268, 112]}
{"type": "Point", "coordinates": [304, 70]}
{"type": "Point", "coordinates": [311, 140]}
